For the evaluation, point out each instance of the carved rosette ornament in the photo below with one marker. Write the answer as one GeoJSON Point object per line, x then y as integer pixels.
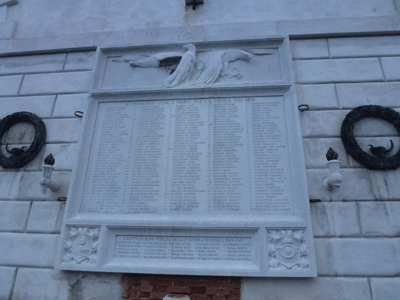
{"type": "Point", "coordinates": [287, 249]}
{"type": "Point", "coordinates": [81, 245]}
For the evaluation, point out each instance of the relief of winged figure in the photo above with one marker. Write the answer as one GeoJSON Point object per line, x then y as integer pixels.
{"type": "Point", "coordinates": [212, 64]}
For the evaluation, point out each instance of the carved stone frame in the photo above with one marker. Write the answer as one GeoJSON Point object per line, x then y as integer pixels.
{"type": "Point", "coordinates": [14, 162]}
{"type": "Point", "coordinates": [351, 145]}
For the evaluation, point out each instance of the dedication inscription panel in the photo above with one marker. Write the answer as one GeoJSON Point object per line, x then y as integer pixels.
{"type": "Point", "coordinates": [190, 162]}
{"type": "Point", "coordinates": [203, 156]}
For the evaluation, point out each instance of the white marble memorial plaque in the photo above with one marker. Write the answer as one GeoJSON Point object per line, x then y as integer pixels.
{"type": "Point", "coordinates": [199, 171]}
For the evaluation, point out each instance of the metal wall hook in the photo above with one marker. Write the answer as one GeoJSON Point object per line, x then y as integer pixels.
{"type": "Point", "coordinates": [303, 107]}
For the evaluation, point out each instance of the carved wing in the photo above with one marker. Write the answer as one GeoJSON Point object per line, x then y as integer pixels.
{"type": "Point", "coordinates": [183, 69]}
{"type": "Point", "coordinates": [151, 61]}
{"type": "Point", "coordinates": [210, 67]}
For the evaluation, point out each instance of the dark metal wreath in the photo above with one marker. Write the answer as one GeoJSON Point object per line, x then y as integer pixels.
{"type": "Point", "coordinates": [19, 157]}
{"type": "Point", "coordinates": [379, 162]}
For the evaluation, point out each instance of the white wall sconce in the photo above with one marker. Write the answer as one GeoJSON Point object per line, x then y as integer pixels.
{"type": "Point", "coordinates": [193, 3]}
{"type": "Point", "coordinates": [46, 182]}
{"type": "Point", "coordinates": [334, 179]}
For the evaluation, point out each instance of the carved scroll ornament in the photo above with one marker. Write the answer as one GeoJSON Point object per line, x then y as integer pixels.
{"type": "Point", "coordinates": [81, 245]}
{"type": "Point", "coordinates": [287, 249]}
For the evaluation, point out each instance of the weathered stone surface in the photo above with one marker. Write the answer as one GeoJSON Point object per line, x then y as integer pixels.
{"type": "Point", "coordinates": [41, 284]}
{"type": "Point", "coordinates": [7, 276]}
{"type": "Point", "coordinates": [33, 250]}
{"type": "Point", "coordinates": [69, 82]}
{"type": "Point", "coordinates": [7, 30]}
{"type": "Point", "coordinates": [63, 130]}
{"type": "Point", "coordinates": [322, 123]}
{"type": "Point", "coordinates": [32, 63]}
{"type": "Point", "coordinates": [356, 94]}
{"type": "Point", "coordinates": [66, 105]}
{"type": "Point", "coordinates": [65, 155]}
{"type": "Point", "coordinates": [80, 61]}
{"type": "Point", "coordinates": [385, 288]}
{"type": "Point", "coordinates": [364, 46]}
{"type": "Point", "coordinates": [9, 85]}
{"type": "Point", "coordinates": [305, 289]}
{"type": "Point", "coordinates": [25, 186]}
{"type": "Point", "coordinates": [99, 286]}
{"type": "Point", "coordinates": [13, 215]}
{"type": "Point", "coordinates": [338, 70]}
{"type": "Point", "coordinates": [335, 219]}
{"type": "Point", "coordinates": [46, 217]}
{"type": "Point", "coordinates": [391, 67]}
{"type": "Point", "coordinates": [373, 127]}
{"type": "Point", "coordinates": [380, 218]}
{"type": "Point", "coordinates": [21, 133]}
{"type": "Point", "coordinates": [303, 49]}
{"type": "Point", "coordinates": [315, 152]}
{"type": "Point", "coordinates": [357, 257]}
{"type": "Point", "coordinates": [317, 96]}
{"type": "Point", "coordinates": [42, 106]}
{"type": "Point", "coordinates": [358, 184]}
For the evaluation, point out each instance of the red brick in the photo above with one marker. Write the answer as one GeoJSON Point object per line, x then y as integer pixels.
{"type": "Point", "coordinates": [232, 283]}
{"type": "Point", "coordinates": [145, 295]}
{"type": "Point", "coordinates": [145, 281]}
{"type": "Point", "coordinates": [146, 288]}
{"type": "Point", "coordinates": [200, 297]}
{"type": "Point", "coordinates": [198, 290]}
{"type": "Point", "coordinates": [235, 291]}
{"type": "Point", "coordinates": [126, 292]}
{"type": "Point", "coordinates": [161, 289]}
{"type": "Point", "coordinates": [218, 297]}
{"type": "Point", "coordinates": [161, 281]}
{"type": "Point", "coordinates": [157, 295]}
{"type": "Point", "coordinates": [199, 282]}
{"type": "Point", "coordinates": [178, 289]}
{"type": "Point", "coordinates": [233, 297]}
{"type": "Point", "coordinates": [217, 291]}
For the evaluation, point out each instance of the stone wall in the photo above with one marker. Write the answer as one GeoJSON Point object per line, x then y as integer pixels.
{"type": "Point", "coordinates": [356, 227]}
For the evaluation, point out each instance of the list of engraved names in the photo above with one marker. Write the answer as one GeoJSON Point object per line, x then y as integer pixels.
{"type": "Point", "coordinates": [205, 156]}
{"type": "Point", "coordinates": [186, 248]}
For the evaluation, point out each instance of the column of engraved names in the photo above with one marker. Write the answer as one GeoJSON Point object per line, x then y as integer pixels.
{"type": "Point", "coordinates": [269, 153]}
{"type": "Point", "coordinates": [145, 188]}
{"type": "Point", "coordinates": [105, 181]}
{"type": "Point", "coordinates": [186, 191]}
{"type": "Point", "coordinates": [228, 141]}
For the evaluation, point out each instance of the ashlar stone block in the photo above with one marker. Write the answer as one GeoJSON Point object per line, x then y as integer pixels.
{"type": "Point", "coordinates": [46, 217]}
{"type": "Point", "coordinates": [351, 95]}
{"type": "Point", "coordinates": [66, 105]}
{"type": "Point", "coordinates": [317, 96]}
{"type": "Point", "coordinates": [338, 219]}
{"type": "Point", "coordinates": [364, 46]}
{"type": "Point", "coordinates": [322, 123]}
{"type": "Point", "coordinates": [25, 185]}
{"type": "Point", "coordinates": [80, 61]}
{"type": "Point", "coordinates": [9, 85]}
{"type": "Point", "coordinates": [13, 215]}
{"type": "Point", "coordinates": [315, 48]}
{"type": "Point", "coordinates": [357, 257]}
{"type": "Point", "coordinates": [391, 67]}
{"type": "Point", "coordinates": [7, 277]}
{"type": "Point", "coordinates": [43, 284]}
{"type": "Point", "coordinates": [63, 130]}
{"type": "Point", "coordinates": [42, 106]}
{"type": "Point", "coordinates": [385, 288]}
{"type": "Point", "coordinates": [358, 184]}
{"type": "Point", "coordinates": [32, 63]}
{"type": "Point", "coordinates": [33, 250]}
{"type": "Point", "coordinates": [380, 218]}
{"type": "Point", "coordinates": [338, 70]}
{"type": "Point", "coordinates": [50, 83]}
{"type": "Point", "coordinates": [305, 289]}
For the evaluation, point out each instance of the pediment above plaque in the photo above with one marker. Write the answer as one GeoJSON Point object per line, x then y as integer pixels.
{"type": "Point", "coordinates": [191, 162]}
{"type": "Point", "coordinates": [192, 65]}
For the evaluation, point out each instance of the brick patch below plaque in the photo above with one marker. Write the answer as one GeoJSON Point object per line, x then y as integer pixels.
{"type": "Point", "coordinates": [156, 287]}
